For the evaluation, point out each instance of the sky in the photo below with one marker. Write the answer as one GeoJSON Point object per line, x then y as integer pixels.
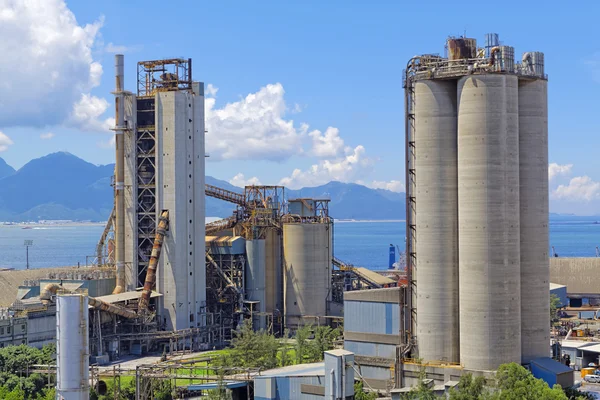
{"type": "Point", "coordinates": [298, 92]}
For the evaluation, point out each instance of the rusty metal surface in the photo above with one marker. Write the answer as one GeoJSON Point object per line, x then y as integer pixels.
{"type": "Point", "coordinates": [461, 48]}
{"type": "Point", "coordinates": [163, 226]}
{"type": "Point", "coordinates": [110, 308]}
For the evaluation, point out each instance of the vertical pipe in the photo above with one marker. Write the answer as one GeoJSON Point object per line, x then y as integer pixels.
{"type": "Point", "coordinates": [161, 231]}
{"type": "Point", "coordinates": [119, 175]}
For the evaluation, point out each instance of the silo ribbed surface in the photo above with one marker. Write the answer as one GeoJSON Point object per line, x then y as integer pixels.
{"type": "Point", "coordinates": [256, 276]}
{"type": "Point", "coordinates": [437, 220]}
{"type": "Point", "coordinates": [307, 260]}
{"type": "Point", "coordinates": [533, 172]}
{"type": "Point", "coordinates": [488, 217]}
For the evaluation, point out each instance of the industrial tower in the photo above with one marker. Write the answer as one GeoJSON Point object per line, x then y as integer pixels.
{"type": "Point", "coordinates": [160, 167]}
{"type": "Point", "coordinates": [477, 204]}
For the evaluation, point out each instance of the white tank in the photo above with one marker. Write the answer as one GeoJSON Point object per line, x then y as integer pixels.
{"type": "Point", "coordinates": [307, 260]}
{"type": "Point", "coordinates": [533, 176]}
{"type": "Point", "coordinates": [436, 220]}
{"type": "Point", "coordinates": [488, 220]}
{"type": "Point", "coordinates": [72, 352]}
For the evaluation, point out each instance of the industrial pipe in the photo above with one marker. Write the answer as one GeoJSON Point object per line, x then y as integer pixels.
{"type": "Point", "coordinates": [119, 175]}
{"type": "Point", "coordinates": [48, 291]}
{"type": "Point", "coordinates": [111, 308]}
{"type": "Point", "coordinates": [161, 231]}
{"type": "Point", "coordinates": [493, 52]}
{"type": "Point", "coordinates": [102, 242]}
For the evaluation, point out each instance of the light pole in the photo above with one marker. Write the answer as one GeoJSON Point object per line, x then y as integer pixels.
{"type": "Point", "coordinates": [27, 244]}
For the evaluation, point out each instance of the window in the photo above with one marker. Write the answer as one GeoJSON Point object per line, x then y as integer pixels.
{"type": "Point", "coordinates": [8, 330]}
{"type": "Point", "coordinates": [2, 331]}
{"type": "Point", "coordinates": [23, 327]}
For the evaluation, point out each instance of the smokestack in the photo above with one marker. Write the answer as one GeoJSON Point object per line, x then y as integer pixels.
{"type": "Point", "coordinates": [119, 175]}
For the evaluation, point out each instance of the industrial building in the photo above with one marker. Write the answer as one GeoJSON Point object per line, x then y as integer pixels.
{"type": "Point", "coordinates": [477, 205]}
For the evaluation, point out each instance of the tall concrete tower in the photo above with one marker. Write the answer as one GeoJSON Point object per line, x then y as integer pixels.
{"type": "Point", "coordinates": [477, 205]}
{"type": "Point", "coordinates": [164, 170]}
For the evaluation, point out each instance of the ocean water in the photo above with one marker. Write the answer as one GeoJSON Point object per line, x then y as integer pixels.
{"type": "Point", "coordinates": [360, 243]}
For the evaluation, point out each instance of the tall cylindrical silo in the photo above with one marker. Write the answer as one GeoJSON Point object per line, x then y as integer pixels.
{"type": "Point", "coordinates": [488, 220]}
{"type": "Point", "coordinates": [533, 176]}
{"type": "Point", "coordinates": [256, 277]}
{"type": "Point", "coordinates": [273, 271]}
{"type": "Point", "coordinates": [437, 220]}
{"type": "Point", "coordinates": [72, 352]}
{"type": "Point", "coordinates": [307, 261]}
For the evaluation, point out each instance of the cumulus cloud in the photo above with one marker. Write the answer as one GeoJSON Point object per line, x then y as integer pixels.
{"type": "Point", "coordinates": [241, 181]}
{"type": "Point", "coordinates": [580, 188]}
{"type": "Point", "coordinates": [211, 90]}
{"type": "Point", "coordinates": [116, 49]}
{"type": "Point", "coordinates": [46, 63]}
{"type": "Point", "coordinates": [252, 128]}
{"type": "Point", "coordinates": [555, 170]}
{"type": "Point", "coordinates": [393, 185]}
{"type": "Point", "coordinates": [5, 141]}
{"type": "Point", "coordinates": [328, 144]}
{"type": "Point", "coordinates": [47, 136]}
{"type": "Point", "coordinates": [354, 166]}
{"type": "Point", "coordinates": [87, 112]}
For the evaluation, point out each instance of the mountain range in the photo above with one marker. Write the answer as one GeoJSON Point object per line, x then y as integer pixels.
{"type": "Point", "coordinates": [63, 186]}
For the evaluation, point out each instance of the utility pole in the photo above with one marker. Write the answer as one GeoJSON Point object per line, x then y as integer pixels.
{"type": "Point", "coordinates": [27, 244]}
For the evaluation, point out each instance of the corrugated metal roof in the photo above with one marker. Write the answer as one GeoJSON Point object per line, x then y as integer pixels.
{"type": "Point", "coordinates": [116, 298]}
{"type": "Point", "coordinates": [314, 369]}
{"type": "Point", "coordinates": [374, 276]}
{"type": "Point", "coordinates": [577, 344]}
{"type": "Point", "coordinates": [225, 244]}
{"type": "Point", "coordinates": [552, 365]}
{"type": "Point", "coordinates": [594, 348]}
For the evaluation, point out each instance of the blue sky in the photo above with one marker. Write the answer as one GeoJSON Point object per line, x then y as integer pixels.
{"type": "Point", "coordinates": [308, 66]}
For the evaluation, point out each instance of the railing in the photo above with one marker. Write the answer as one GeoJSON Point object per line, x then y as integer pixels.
{"type": "Point", "coordinates": [227, 195]}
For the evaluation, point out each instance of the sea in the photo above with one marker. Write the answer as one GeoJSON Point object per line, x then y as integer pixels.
{"type": "Point", "coordinates": [361, 243]}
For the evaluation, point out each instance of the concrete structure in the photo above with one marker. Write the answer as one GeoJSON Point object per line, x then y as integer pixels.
{"type": "Point", "coordinates": [72, 352]}
{"type": "Point", "coordinates": [476, 161]}
{"type": "Point", "coordinates": [164, 170]}
{"type": "Point", "coordinates": [255, 277]}
{"type": "Point", "coordinates": [332, 379]}
{"type": "Point", "coordinates": [436, 141]}
{"type": "Point", "coordinates": [488, 233]}
{"type": "Point", "coordinates": [533, 173]}
{"type": "Point", "coordinates": [307, 251]}
{"type": "Point", "coordinates": [581, 275]}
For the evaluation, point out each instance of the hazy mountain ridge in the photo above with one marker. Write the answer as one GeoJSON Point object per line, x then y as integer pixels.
{"type": "Point", "coordinates": [63, 186]}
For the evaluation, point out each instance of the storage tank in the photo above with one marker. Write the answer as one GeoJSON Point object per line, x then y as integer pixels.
{"type": "Point", "coordinates": [460, 48]}
{"type": "Point", "coordinates": [488, 221]}
{"type": "Point", "coordinates": [436, 220]}
{"type": "Point", "coordinates": [72, 353]}
{"type": "Point", "coordinates": [273, 271]}
{"type": "Point", "coordinates": [533, 183]}
{"type": "Point", "coordinates": [256, 279]}
{"type": "Point", "coordinates": [307, 261]}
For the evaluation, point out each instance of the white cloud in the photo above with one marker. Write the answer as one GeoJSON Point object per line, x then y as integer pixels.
{"type": "Point", "coordinates": [328, 144]}
{"type": "Point", "coordinates": [211, 90]}
{"type": "Point", "coordinates": [87, 112]}
{"type": "Point", "coordinates": [580, 188]}
{"type": "Point", "coordinates": [555, 170]}
{"type": "Point", "coordinates": [5, 141]}
{"type": "Point", "coordinates": [116, 49]}
{"type": "Point", "coordinates": [393, 185]}
{"type": "Point", "coordinates": [47, 136]}
{"type": "Point", "coordinates": [593, 63]}
{"type": "Point", "coordinates": [241, 181]}
{"type": "Point", "coordinates": [351, 168]}
{"type": "Point", "coordinates": [252, 128]}
{"type": "Point", "coordinates": [46, 63]}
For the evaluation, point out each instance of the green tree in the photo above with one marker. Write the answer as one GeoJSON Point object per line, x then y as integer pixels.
{"type": "Point", "coordinates": [323, 341]}
{"type": "Point", "coordinates": [254, 349]}
{"type": "Point", "coordinates": [302, 344]}
{"type": "Point", "coordinates": [285, 351]}
{"type": "Point", "coordinates": [554, 303]}
{"type": "Point", "coordinates": [515, 382]}
{"type": "Point", "coordinates": [470, 388]}
{"type": "Point", "coordinates": [360, 394]}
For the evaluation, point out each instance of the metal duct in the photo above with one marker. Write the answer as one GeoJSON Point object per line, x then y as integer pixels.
{"type": "Point", "coordinates": [163, 226]}
{"type": "Point", "coordinates": [119, 175]}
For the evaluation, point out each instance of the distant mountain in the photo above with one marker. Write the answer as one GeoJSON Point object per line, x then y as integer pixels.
{"type": "Point", "coordinates": [63, 186]}
{"type": "Point", "coordinates": [57, 186]}
{"type": "Point", "coordinates": [5, 169]}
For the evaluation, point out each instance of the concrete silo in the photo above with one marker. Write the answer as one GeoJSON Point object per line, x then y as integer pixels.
{"type": "Point", "coordinates": [488, 233]}
{"type": "Point", "coordinates": [437, 219]}
{"type": "Point", "coordinates": [533, 183]}
{"type": "Point", "coordinates": [307, 251]}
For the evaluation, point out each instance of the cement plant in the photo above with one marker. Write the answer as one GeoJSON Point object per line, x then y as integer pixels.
{"type": "Point", "coordinates": [472, 292]}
